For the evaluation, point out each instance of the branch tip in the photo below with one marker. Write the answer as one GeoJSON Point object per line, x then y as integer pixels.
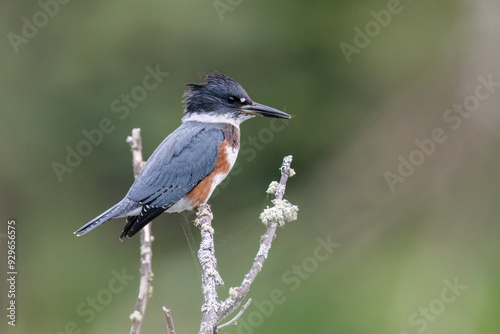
{"type": "Point", "coordinates": [169, 319]}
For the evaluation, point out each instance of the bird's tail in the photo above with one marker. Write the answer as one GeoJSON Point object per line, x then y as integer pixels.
{"type": "Point", "coordinates": [136, 223]}
{"type": "Point", "coordinates": [113, 212]}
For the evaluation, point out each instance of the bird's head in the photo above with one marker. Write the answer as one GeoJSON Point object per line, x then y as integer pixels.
{"type": "Point", "coordinates": [221, 98]}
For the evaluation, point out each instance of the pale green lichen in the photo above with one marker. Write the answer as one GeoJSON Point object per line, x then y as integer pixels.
{"type": "Point", "coordinates": [233, 292]}
{"type": "Point", "coordinates": [208, 229]}
{"type": "Point", "coordinates": [136, 316]}
{"type": "Point", "coordinates": [282, 212]}
{"type": "Point", "coordinates": [272, 188]}
{"type": "Point", "coordinates": [203, 211]}
{"type": "Point", "coordinates": [292, 172]}
{"type": "Point", "coordinates": [150, 291]}
{"type": "Point", "coordinates": [145, 250]}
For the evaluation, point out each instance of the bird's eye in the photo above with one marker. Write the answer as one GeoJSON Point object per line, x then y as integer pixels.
{"type": "Point", "coordinates": [232, 100]}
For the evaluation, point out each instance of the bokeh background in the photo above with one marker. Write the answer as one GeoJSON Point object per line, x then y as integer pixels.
{"type": "Point", "coordinates": [420, 255]}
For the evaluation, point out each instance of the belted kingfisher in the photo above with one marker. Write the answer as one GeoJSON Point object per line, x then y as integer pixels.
{"type": "Point", "coordinates": [186, 167]}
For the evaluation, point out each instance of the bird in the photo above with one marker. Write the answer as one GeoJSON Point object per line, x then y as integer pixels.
{"type": "Point", "coordinates": [187, 166]}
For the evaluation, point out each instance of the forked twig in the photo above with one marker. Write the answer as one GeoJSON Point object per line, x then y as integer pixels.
{"type": "Point", "coordinates": [234, 321]}
{"type": "Point", "coordinates": [214, 310]}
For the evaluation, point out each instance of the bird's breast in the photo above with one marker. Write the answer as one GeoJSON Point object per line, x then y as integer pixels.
{"type": "Point", "coordinates": [201, 193]}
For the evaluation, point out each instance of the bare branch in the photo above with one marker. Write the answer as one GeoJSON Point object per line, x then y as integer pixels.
{"type": "Point", "coordinates": [213, 310]}
{"type": "Point", "coordinates": [238, 294]}
{"type": "Point", "coordinates": [145, 287]}
{"type": "Point", "coordinates": [170, 321]}
{"type": "Point", "coordinates": [135, 142]}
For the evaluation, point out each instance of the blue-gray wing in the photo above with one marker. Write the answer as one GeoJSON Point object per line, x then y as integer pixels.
{"type": "Point", "coordinates": [178, 164]}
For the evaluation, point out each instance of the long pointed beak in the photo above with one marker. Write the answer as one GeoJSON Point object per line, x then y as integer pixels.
{"type": "Point", "coordinates": [263, 110]}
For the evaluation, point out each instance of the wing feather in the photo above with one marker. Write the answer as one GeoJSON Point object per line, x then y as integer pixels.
{"type": "Point", "coordinates": [179, 163]}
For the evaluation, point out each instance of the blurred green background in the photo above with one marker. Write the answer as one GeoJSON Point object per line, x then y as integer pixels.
{"type": "Point", "coordinates": [365, 81]}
